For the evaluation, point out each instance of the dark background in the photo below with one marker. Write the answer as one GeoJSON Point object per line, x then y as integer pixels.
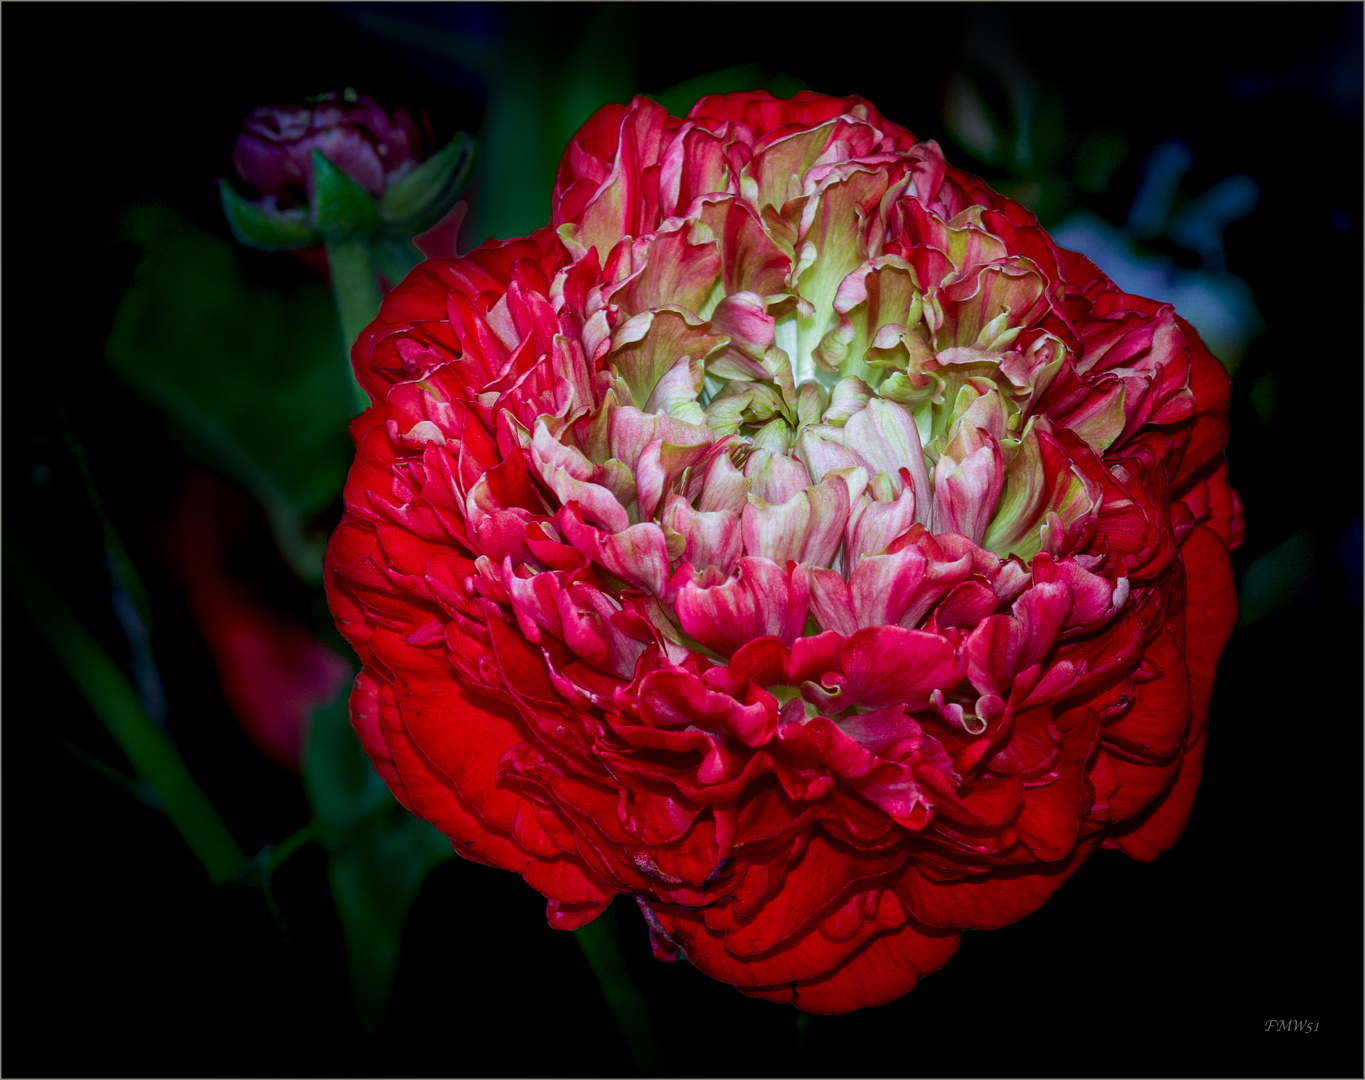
{"type": "Point", "coordinates": [120, 959]}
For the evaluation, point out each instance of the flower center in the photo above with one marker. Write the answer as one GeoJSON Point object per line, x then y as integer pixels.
{"type": "Point", "coordinates": [775, 380]}
{"type": "Point", "coordinates": [906, 399]}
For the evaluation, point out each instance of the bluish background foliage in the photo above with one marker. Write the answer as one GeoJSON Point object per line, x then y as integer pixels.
{"type": "Point", "coordinates": [1211, 156]}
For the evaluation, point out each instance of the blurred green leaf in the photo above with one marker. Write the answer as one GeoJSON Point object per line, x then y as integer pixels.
{"type": "Point", "coordinates": [680, 97]}
{"type": "Point", "coordinates": [972, 121]}
{"type": "Point", "coordinates": [1265, 397]}
{"type": "Point", "coordinates": [343, 787]}
{"type": "Point", "coordinates": [252, 375]}
{"type": "Point", "coordinates": [375, 878]}
{"type": "Point", "coordinates": [1051, 132]}
{"type": "Point", "coordinates": [600, 942]}
{"type": "Point", "coordinates": [560, 65]}
{"type": "Point", "coordinates": [1098, 158]}
{"type": "Point", "coordinates": [1277, 578]}
{"type": "Point", "coordinates": [378, 855]}
{"type": "Point", "coordinates": [537, 98]}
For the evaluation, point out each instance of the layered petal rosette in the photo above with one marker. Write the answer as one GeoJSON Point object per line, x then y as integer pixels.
{"type": "Point", "coordinates": [792, 537]}
{"type": "Point", "coordinates": [374, 147]}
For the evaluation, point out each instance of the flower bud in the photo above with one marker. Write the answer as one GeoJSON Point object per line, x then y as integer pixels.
{"type": "Point", "coordinates": [273, 156]}
{"type": "Point", "coordinates": [379, 173]}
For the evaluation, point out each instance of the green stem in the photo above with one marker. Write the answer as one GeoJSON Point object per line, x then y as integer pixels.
{"type": "Point", "coordinates": [395, 258]}
{"type": "Point", "coordinates": [129, 598]}
{"type": "Point", "coordinates": [623, 996]}
{"type": "Point", "coordinates": [138, 789]}
{"type": "Point", "coordinates": [357, 297]}
{"type": "Point", "coordinates": [115, 702]}
{"type": "Point", "coordinates": [117, 553]}
{"type": "Point", "coordinates": [291, 843]}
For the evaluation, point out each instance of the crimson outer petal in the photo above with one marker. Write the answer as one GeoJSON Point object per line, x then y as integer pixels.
{"type": "Point", "coordinates": [1210, 615]}
{"type": "Point", "coordinates": [620, 634]}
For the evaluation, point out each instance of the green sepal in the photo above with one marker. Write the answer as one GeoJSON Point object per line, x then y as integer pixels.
{"type": "Point", "coordinates": [342, 209]}
{"type": "Point", "coordinates": [419, 200]}
{"type": "Point", "coordinates": [266, 230]}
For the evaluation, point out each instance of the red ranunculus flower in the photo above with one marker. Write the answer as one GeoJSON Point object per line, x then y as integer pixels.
{"type": "Point", "coordinates": [792, 537]}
